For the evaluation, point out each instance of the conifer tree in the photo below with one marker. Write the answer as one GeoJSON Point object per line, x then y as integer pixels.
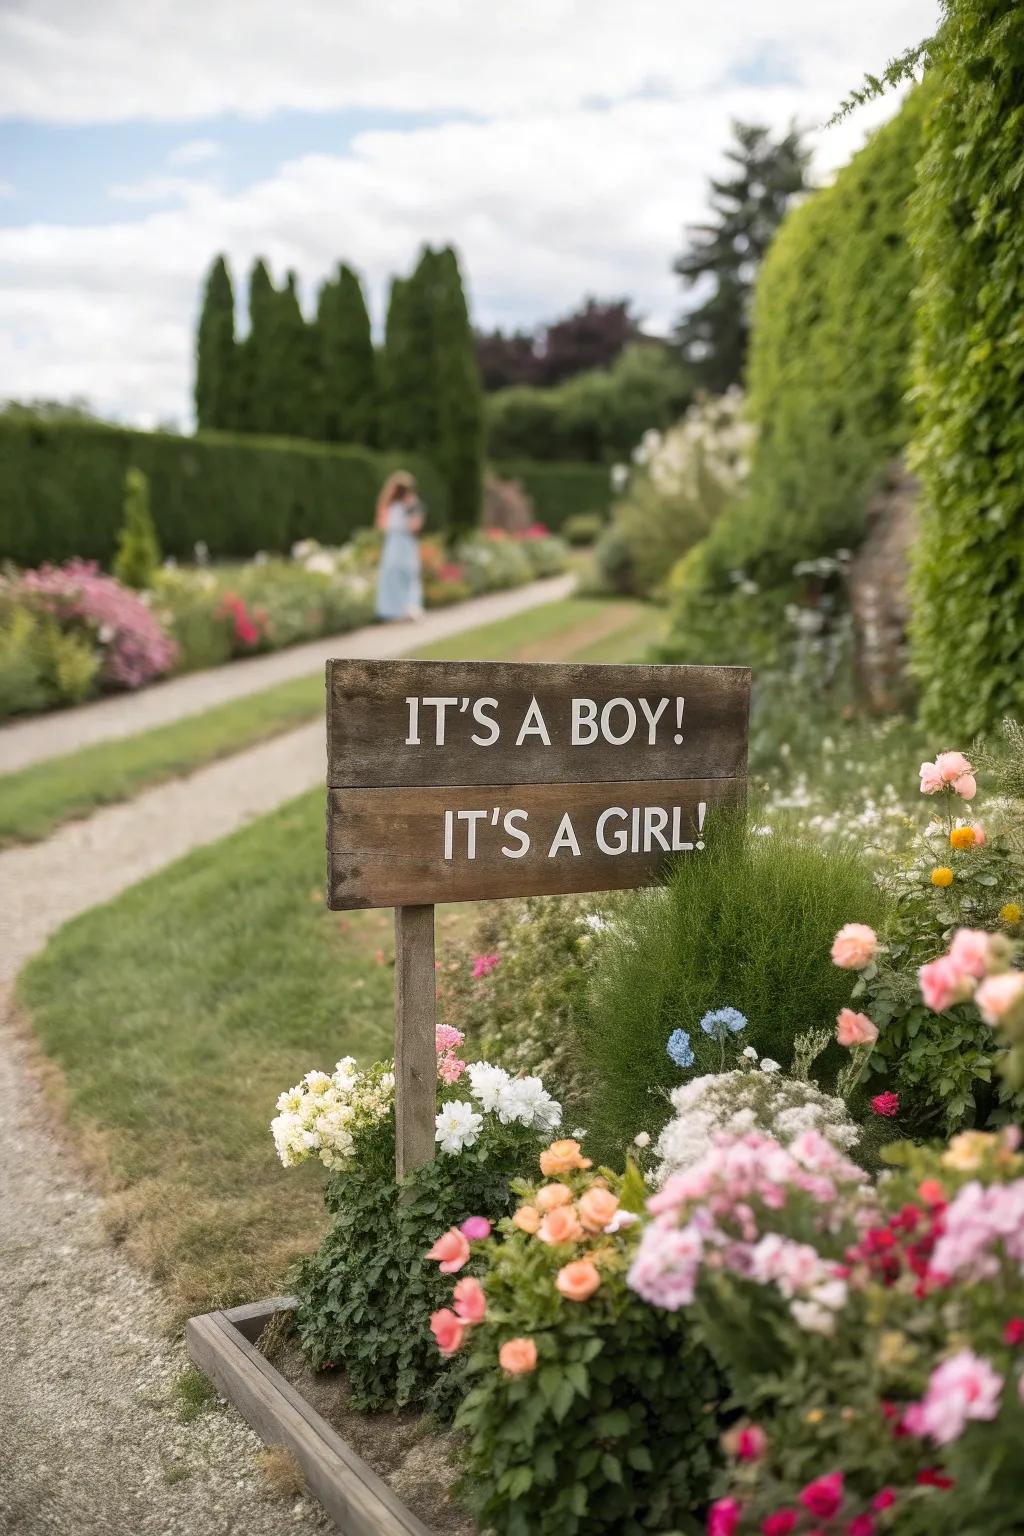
{"type": "Point", "coordinates": [216, 387]}
{"type": "Point", "coordinates": [256, 406]}
{"type": "Point", "coordinates": [347, 407]}
{"type": "Point", "coordinates": [293, 365]}
{"type": "Point", "coordinates": [746, 210]}
{"type": "Point", "coordinates": [138, 553]}
{"type": "Point", "coordinates": [459, 450]}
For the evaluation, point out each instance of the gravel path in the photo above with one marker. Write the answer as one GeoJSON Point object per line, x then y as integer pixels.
{"type": "Point", "coordinates": [90, 1442]}
{"type": "Point", "coordinates": [32, 741]}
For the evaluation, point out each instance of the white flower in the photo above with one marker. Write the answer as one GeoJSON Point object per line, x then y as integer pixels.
{"type": "Point", "coordinates": [831, 1294]}
{"type": "Point", "coordinates": [768, 1065]}
{"type": "Point", "coordinates": [642, 1139]}
{"type": "Point", "coordinates": [620, 1220]}
{"type": "Point", "coordinates": [457, 1126]}
{"type": "Point", "coordinates": [487, 1082]}
{"type": "Point", "coordinates": [812, 1318]}
{"type": "Point", "coordinates": [750, 1053]}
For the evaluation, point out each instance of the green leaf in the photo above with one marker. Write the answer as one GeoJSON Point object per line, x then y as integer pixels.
{"type": "Point", "coordinates": [611, 1467]}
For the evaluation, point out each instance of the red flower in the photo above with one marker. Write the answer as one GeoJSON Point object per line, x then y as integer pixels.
{"type": "Point", "coordinates": [887, 1104]}
{"type": "Point", "coordinates": [933, 1477]}
{"type": "Point", "coordinates": [779, 1524]}
{"type": "Point", "coordinates": [861, 1525]}
{"type": "Point", "coordinates": [1013, 1333]}
{"type": "Point", "coordinates": [724, 1517]}
{"type": "Point", "coordinates": [823, 1497]}
{"type": "Point", "coordinates": [885, 1498]}
{"type": "Point", "coordinates": [931, 1192]}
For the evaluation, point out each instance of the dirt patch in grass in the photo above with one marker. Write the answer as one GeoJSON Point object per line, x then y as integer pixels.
{"type": "Point", "coordinates": [568, 645]}
{"type": "Point", "coordinates": [418, 1460]}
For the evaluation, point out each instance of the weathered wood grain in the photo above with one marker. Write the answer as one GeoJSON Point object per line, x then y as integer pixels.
{"type": "Point", "coordinates": [415, 1052]}
{"type": "Point", "coordinates": [251, 1318]}
{"type": "Point", "coordinates": [386, 847]}
{"type": "Point", "coordinates": [356, 1498]}
{"type": "Point", "coordinates": [368, 722]}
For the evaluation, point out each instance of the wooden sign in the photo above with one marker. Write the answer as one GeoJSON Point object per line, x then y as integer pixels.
{"type": "Point", "coordinates": [461, 781]}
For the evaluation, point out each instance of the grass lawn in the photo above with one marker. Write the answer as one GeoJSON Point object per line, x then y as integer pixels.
{"type": "Point", "coordinates": [36, 799]}
{"type": "Point", "coordinates": [177, 1013]}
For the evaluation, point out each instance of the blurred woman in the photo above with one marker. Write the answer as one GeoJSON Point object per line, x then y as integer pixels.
{"type": "Point", "coordinates": [400, 518]}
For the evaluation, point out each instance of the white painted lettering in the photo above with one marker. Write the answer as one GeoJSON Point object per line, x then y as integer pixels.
{"type": "Point", "coordinates": [533, 725]}
{"type": "Point", "coordinates": [565, 837]}
{"type": "Point", "coordinates": [603, 842]}
{"type": "Point", "coordinates": [513, 831]}
{"type": "Point", "coordinates": [480, 715]}
{"type": "Point", "coordinates": [584, 722]}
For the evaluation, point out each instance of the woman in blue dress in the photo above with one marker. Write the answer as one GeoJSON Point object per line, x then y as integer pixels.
{"type": "Point", "coordinates": [400, 518]}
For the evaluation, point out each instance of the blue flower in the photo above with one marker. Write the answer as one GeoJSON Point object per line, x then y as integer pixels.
{"type": "Point", "coordinates": [720, 1021]}
{"type": "Point", "coordinates": [680, 1049]}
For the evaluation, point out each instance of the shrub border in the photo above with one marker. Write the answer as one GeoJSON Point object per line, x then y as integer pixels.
{"type": "Point", "coordinates": [222, 1344]}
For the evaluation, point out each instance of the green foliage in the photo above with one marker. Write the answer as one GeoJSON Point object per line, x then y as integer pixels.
{"type": "Point", "coordinates": [829, 363]}
{"type": "Point", "coordinates": [968, 634]}
{"type": "Point", "coordinates": [747, 923]}
{"type": "Point", "coordinates": [60, 490]}
{"type": "Point", "coordinates": [138, 553]}
{"type": "Point", "coordinates": [348, 401]}
{"type": "Point", "coordinates": [194, 1393]}
{"type": "Point", "coordinates": [746, 210]}
{"type": "Point", "coordinates": [583, 528]}
{"type": "Point", "coordinates": [257, 409]}
{"type": "Point", "coordinates": [613, 1431]}
{"type": "Point", "coordinates": [366, 1296]}
{"type": "Point", "coordinates": [597, 416]}
{"type": "Point", "coordinates": [559, 491]}
{"type": "Point", "coordinates": [42, 665]}
{"type": "Point", "coordinates": [218, 372]}
{"type": "Point", "coordinates": [293, 363]}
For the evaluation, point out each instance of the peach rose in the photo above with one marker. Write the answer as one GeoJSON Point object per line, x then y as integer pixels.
{"type": "Point", "coordinates": [855, 1028]}
{"type": "Point", "coordinates": [998, 994]}
{"type": "Point", "coordinates": [854, 946]}
{"type": "Point", "coordinates": [966, 786]}
{"type": "Point", "coordinates": [597, 1207]}
{"type": "Point", "coordinates": [562, 1157]}
{"type": "Point", "coordinates": [527, 1219]}
{"type": "Point", "coordinates": [577, 1281]}
{"type": "Point", "coordinates": [451, 1251]}
{"type": "Point", "coordinates": [560, 1226]}
{"type": "Point", "coordinates": [952, 765]}
{"type": "Point", "coordinates": [550, 1195]}
{"type": "Point", "coordinates": [518, 1357]}
{"type": "Point", "coordinates": [470, 1301]}
{"type": "Point", "coordinates": [448, 1331]}
{"type": "Point", "coordinates": [979, 834]}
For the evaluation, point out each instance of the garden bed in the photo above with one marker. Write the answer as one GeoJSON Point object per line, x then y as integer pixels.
{"type": "Point", "coordinates": [312, 1417]}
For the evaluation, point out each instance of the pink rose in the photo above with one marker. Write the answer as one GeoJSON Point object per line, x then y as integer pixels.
{"type": "Point", "coordinates": [861, 1525]}
{"type": "Point", "coordinates": [780, 1523]}
{"type": "Point", "coordinates": [518, 1357]}
{"type": "Point", "coordinates": [451, 1251]}
{"type": "Point", "coordinates": [446, 1038]}
{"type": "Point", "coordinates": [969, 951]}
{"type": "Point", "coordinates": [448, 1331]}
{"type": "Point", "coordinates": [854, 946]}
{"type": "Point", "coordinates": [884, 1499]}
{"type": "Point", "coordinates": [751, 1443]}
{"type": "Point", "coordinates": [931, 779]}
{"type": "Point", "coordinates": [855, 1028]}
{"type": "Point", "coordinates": [942, 983]}
{"type": "Point", "coordinates": [951, 765]}
{"type": "Point", "coordinates": [966, 786]}
{"type": "Point", "coordinates": [996, 995]}
{"type": "Point", "coordinates": [483, 965]}
{"type": "Point", "coordinates": [470, 1301]}
{"type": "Point", "coordinates": [979, 834]}
{"type": "Point", "coordinates": [823, 1497]}
{"type": "Point", "coordinates": [886, 1104]}
{"type": "Point", "coordinates": [577, 1281]}
{"type": "Point", "coordinates": [724, 1517]}
{"type": "Point", "coordinates": [476, 1228]}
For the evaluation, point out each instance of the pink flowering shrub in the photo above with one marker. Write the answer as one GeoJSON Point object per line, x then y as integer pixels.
{"type": "Point", "coordinates": [875, 1337]}
{"type": "Point", "coordinates": [132, 645]}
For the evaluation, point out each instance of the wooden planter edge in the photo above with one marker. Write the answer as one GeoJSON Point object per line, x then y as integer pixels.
{"type": "Point", "coordinates": [222, 1345]}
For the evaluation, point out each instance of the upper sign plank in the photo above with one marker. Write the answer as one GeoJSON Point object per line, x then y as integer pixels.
{"type": "Point", "coordinates": [398, 724]}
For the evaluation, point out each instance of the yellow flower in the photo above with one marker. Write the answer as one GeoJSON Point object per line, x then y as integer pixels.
{"type": "Point", "coordinates": [1011, 913]}
{"type": "Point", "coordinates": [942, 875]}
{"type": "Point", "coordinates": [962, 837]}
{"type": "Point", "coordinates": [966, 1151]}
{"type": "Point", "coordinates": [814, 1415]}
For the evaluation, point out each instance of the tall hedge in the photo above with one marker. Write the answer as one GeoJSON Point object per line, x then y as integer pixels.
{"type": "Point", "coordinates": [829, 364]}
{"type": "Point", "coordinates": [61, 490]}
{"type": "Point", "coordinates": [559, 491]}
{"type": "Point", "coordinates": [968, 230]}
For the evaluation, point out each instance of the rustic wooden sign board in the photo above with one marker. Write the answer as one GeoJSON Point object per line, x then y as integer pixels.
{"type": "Point", "coordinates": [462, 781]}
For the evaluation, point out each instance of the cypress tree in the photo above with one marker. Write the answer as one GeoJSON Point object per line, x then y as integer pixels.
{"type": "Point", "coordinates": [216, 389]}
{"type": "Point", "coordinates": [256, 406]}
{"type": "Point", "coordinates": [138, 552]}
{"type": "Point", "coordinates": [459, 450]}
{"type": "Point", "coordinates": [292, 352]}
{"type": "Point", "coordinates": [347, 407]}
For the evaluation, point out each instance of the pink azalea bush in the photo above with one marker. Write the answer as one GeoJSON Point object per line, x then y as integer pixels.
{"type": "Point", "coordinates": [134, 648]}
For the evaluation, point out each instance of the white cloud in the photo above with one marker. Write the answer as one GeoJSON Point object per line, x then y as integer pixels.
{"type": "Point", "coordinates": [195, 152]}
{"type": "Point", "coordinates": [181, 59]}
{"type": "Point", "coordinates": [546, 197]}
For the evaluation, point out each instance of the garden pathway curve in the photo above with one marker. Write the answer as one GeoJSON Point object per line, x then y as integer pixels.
{"type": "Point", "coordinates": [34, 740]}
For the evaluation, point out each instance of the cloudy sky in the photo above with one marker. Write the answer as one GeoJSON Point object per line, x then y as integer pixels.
{"type": "Point", "coordinates": [561, 145]}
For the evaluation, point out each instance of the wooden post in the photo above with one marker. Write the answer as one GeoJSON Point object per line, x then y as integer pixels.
{"type": "Point", "coordinates": [415, 1055]}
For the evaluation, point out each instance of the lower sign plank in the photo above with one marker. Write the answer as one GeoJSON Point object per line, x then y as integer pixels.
{"type": "Point", "coordinates": [399, 847]}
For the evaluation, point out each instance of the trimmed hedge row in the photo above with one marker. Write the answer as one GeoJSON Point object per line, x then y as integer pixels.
{"type": "Point", "coordinates": [968, 229]}
{"type": "Point", "coordinates": [61, 490]}
{"type": "Point", "coordinates": [560, 491]}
